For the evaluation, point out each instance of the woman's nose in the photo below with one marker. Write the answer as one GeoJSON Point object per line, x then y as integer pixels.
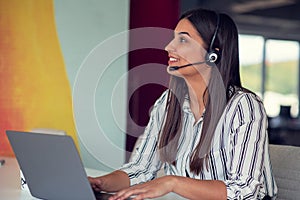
{"type": "Point", "coordinates": [170, 47]}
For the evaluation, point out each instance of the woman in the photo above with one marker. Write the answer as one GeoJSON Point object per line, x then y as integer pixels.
{"type": "Point", "coordinates": [207, 132]}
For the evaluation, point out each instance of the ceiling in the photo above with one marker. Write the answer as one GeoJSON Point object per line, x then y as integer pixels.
{"type": "Point", "coordinates": [269, 18]}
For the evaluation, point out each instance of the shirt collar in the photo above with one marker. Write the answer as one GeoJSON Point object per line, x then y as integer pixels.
{"type": "Point", "coordinates": [186, 104]}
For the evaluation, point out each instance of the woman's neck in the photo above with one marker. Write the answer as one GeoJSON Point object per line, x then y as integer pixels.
{"type": "Point", "coordinates": [196, 89]}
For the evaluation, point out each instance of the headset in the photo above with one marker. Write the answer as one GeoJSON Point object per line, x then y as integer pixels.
{"type": "Point", "coordinates": [213, 56]}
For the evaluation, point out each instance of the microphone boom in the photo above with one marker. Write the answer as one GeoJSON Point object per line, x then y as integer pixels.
{"type": "Point", "coordinates": [173, 68]}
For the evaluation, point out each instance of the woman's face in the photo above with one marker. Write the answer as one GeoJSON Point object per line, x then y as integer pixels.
{"type": "Point", "coordinates": [186, 48]}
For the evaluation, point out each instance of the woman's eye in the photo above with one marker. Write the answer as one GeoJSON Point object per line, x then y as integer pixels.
{"type": "Point", "coordinates": [182, 39]}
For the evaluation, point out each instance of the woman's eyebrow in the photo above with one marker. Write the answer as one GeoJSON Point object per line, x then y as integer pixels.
{"type": "Point", "coordinates": [184, 33]}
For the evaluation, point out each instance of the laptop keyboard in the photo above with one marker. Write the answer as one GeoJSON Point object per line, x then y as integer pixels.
{"type": "Point", "coordinates": [104, 196]}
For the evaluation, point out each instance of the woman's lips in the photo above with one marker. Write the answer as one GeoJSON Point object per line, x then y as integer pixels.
{"type": "Point", "coordinates": [172, 60]}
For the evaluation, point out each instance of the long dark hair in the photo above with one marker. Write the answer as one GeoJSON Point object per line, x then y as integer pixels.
{"type": "Point", "coordinates": [225, 79]}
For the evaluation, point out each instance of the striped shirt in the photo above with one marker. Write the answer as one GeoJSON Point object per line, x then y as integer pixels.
{"type": "Point", "coordinates": [239, 153]}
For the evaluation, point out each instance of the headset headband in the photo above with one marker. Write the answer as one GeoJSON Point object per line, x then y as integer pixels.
{"type": "Point", "coordinates": [215, 33]}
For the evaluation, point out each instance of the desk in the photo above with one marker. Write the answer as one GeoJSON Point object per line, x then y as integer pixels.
{"type": "Point", "coordinates": [10, 184]}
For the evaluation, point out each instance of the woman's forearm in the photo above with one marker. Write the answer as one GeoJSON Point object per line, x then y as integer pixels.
{"type": "Point", "coordinates": [199, 189]}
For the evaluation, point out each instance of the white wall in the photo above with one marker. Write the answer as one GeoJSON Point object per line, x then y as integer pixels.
{"type": "Point", "coordinates": [93, 42]}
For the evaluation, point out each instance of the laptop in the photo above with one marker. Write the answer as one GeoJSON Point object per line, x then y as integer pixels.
{"type": "Point", "coordinates": [52, 166]}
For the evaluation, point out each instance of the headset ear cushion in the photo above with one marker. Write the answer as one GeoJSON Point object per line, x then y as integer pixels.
{"type": "Point", "coordinates": [213, 56]}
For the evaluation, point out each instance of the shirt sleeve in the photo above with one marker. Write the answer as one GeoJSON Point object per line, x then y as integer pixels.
{"type": "Point", "coordinates": [144, 162]}
{"type": "Point", "coordinates": [247, 144]}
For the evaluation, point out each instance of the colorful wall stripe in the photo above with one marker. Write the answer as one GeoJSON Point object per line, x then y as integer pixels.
{"type": "Point", "coordinates": [34, 88]}
{"type": "Point", "coordinates": [147, 13]}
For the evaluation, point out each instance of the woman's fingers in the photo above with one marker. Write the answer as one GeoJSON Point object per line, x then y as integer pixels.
{"type": "Point", "coordinates": [137, 192]}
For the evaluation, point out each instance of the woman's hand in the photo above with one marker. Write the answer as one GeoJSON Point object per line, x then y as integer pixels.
{"type": "Point", "coordinates": [96, 183]}
{"type": "Point", "coordinates": [112, 182]}
{"type": "Point", "coordinates": [152, 189]}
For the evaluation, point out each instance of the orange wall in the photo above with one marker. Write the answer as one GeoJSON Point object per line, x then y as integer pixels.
{"type": "Point", "coordinates": [34, 88]}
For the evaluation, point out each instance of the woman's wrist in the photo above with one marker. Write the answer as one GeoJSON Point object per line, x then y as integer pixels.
{"type": "Point", "coordinates": [172, 181]}
{"type": "Point", "coordinates": [115, 181]}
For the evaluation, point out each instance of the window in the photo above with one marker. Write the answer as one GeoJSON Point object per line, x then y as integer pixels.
{"type": "Point", "coordinates": [276, 78]}
{"type": "Point", "coordinates": [251, 57]}
{"type": "Point", "coordinates": [281, 76]}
